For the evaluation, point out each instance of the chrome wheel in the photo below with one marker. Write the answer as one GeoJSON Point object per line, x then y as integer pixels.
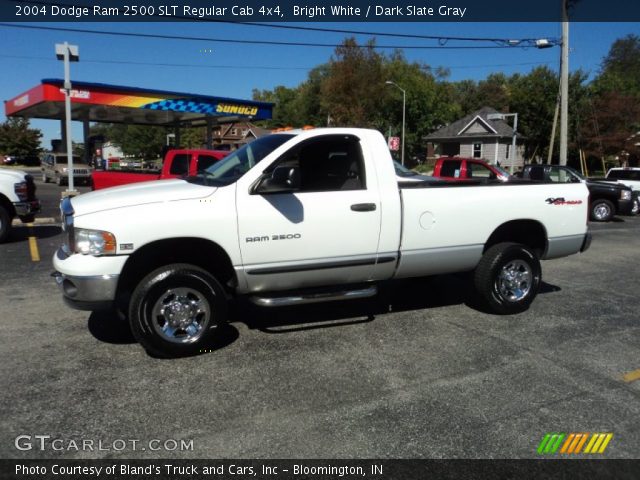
{"type": "Point", "coordinates": [514, 280]}
{"type": "Point", "coordinates": [602, 211]}
{"type": "Point", "coordinates": [181, 315]}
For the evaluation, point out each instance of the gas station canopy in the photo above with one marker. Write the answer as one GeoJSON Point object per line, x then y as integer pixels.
{"type": "Point", "coordinates": [97, 102]}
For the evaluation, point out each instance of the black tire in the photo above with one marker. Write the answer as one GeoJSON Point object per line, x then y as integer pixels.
{"type": "Point", "coordinates": [5, 224]}
{"type": "Point", "coordinates": [492, 281]}
{"type": "Point", "coordinates": [174, 288]}
{"type": "Point", "coordinates": [601, 210]}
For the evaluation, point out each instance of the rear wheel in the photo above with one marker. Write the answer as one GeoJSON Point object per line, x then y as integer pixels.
{"type": "Point", "coordinates": [508, 277]}
{"type": "Point", "coordinates": [602, 210]}
{"type": "Point", "coordinates": [5, 223]}
{"type": "Point", "coordinates": [177, 310]}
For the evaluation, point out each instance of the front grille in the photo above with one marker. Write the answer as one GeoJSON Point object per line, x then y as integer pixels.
{"type": "Point", "coordinates": [79, 171]}
{"type": "Point", "coordinates": [66, 213]}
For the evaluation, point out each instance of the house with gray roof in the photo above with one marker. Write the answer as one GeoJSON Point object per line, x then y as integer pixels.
{"type": "Point", "coordinates": [474, 136]}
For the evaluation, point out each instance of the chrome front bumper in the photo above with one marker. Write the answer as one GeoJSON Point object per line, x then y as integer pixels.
{"type": "Point", "coordinates": [95, 292]}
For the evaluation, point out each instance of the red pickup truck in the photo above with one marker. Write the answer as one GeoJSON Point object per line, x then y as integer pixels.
{"type": "Point", "coordinates": [176, 164]}
{"type": "Point", "coordinates": [458, 168]}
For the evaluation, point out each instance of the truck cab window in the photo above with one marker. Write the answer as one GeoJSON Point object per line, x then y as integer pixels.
{"type": "Point", "coordinates": [332, 163]}
{"type": "Point", "coordinates": [451, 168]}
{"type": "Point", "coordinates": [205, 161]}
{"type": "Point", "coordinates": [180, 165]}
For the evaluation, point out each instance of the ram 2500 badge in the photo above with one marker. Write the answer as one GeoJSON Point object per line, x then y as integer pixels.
{"type": "Point", "coordinates": [301, 217]}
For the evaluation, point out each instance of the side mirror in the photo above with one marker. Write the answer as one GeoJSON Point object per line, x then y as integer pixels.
{"type": "Point", "coordinates": [281, 180]}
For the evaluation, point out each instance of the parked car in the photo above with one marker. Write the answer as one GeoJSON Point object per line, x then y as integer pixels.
{"type": "Point", "coordinates": [7, 160]}
{"type": "Point", "coordinates": [606, 199]}
{"type": "Point", "coordinates": [54, 168]}
{"type": "Point", "coordinates": [300, 217]}
{"type": "Point", "coordinates": [177, 163]}
{"type": "Point", "coordinates": [17, 199]}
{"type": "Point", "coordinates": [459, 168]}
{"type": "Point", "coordinates": [629, 176]}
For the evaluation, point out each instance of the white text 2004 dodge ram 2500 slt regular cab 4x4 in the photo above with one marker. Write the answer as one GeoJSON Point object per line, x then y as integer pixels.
{"type": "Point", "coordinates": [299, 217]}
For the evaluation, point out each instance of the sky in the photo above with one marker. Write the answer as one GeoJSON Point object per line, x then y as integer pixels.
{"type": "Point", "coordinates": [234, 70]}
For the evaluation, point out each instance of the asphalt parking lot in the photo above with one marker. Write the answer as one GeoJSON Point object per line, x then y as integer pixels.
{"type": "Point", "coordinates": [420, 373]}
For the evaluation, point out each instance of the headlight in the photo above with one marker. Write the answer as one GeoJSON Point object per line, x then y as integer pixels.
{"type": "Point", "coordinates": [94, 242]}
{"type": "Point", "coordinates": [625, 195]}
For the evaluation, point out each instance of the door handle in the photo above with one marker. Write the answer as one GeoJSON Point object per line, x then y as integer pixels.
{"type": "Point", "coordinates": [363, 207]}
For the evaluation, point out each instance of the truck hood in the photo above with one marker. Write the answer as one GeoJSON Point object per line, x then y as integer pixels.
{"type": "Point", "coordinates": [606, 183]}
{"type": "Point", "coordinates": [144, 193]}
{"type": "Point", "coordinates": [15, 175]}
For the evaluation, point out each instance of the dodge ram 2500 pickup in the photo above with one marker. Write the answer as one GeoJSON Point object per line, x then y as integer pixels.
{"type": "Point", "coordinates": [299, 217]}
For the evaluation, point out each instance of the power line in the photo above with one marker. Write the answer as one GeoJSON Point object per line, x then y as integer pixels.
{"type": "Point", "coordinates": [181, 65]}
{"type": "Point", "coordinates": [244, 67]}
{"type": "Point", "coordinates": [252, 42]}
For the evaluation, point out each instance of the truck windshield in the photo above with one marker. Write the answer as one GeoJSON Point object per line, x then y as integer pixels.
{"type": "Point", "coordinates": [232, 167]}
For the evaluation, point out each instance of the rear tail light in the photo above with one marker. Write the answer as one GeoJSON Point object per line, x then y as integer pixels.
{"type": "Point", "coordinates": [22, 191]}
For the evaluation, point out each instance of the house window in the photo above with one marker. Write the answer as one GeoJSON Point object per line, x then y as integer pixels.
{"type": "Point", "coordinates": [477, 150]}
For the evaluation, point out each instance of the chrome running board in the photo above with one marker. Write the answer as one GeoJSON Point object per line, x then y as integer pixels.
{"type": "Point", "coordinates": [314, 297]}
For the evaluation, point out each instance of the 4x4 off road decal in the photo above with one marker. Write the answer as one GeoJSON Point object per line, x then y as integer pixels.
{"type": "Point", "coordinates": [562, 201]}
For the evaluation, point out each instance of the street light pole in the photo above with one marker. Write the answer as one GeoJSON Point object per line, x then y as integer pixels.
{"type": "Point", "coordinates": [68, 53]}
{"type": "Point", "coordinates": [404, 109]}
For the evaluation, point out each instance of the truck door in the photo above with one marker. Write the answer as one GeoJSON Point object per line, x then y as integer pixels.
{"type": "Point", "coordinates": [325, 233]}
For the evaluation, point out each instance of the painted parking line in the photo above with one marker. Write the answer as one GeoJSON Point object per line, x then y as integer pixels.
{"type": "Point", "coordinates": [38, 221]}
{"type": "Point", "coordinates": [631, 376]}
{"type": "Point", "coordinates": [33, 244]}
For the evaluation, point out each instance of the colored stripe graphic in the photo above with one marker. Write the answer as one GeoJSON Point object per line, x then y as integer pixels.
{"type": "Point", "coordinates": [550, 443]}
{"type": "Point", "coordinates": [573, 443]}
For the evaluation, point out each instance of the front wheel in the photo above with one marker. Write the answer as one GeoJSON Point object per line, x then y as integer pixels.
{"type": "Point", "coordinates": [602, 210]}
{"type": "Point", "coordinates": [508, 277]}
{"type": "Point", "coordinates": [176, 310]}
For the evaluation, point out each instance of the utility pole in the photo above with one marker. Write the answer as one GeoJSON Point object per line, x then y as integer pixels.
{"type": "Point", "coordinates": [553, 128]}
{"type": "Point", "coordinates": [564, 86]}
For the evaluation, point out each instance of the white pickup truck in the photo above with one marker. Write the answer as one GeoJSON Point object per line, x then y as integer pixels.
{"type": "Point", "coordinates": [17, 199]}
{"type": "Point", "coordinates": [300, 217]}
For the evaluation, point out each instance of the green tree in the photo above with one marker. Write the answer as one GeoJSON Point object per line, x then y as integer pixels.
{"type": "Point", "coordinates": [354, 84]}
{"type": "Point", "coordinates": [139, 140]}
{"type": "Point", "coordinates": [611, 112]}
{"type": "Point", "coordinates": [18, 139]}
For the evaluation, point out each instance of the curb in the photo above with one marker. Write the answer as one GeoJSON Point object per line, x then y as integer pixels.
{"type": "Point", "coordinates": [38, 221]}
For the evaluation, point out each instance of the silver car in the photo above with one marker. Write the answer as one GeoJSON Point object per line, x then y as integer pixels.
{"type": "Point", "coordinates": [54, 168]}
